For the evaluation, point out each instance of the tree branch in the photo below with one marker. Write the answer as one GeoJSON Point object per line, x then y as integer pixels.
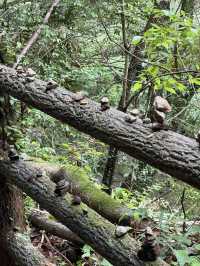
{"type": "Point", "coordinates": [36, 34]}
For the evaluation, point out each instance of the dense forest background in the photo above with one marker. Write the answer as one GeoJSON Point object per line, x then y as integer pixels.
{"type": "Point", "coordinates": [127, 51]}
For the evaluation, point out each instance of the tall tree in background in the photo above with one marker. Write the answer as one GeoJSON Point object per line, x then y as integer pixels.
{"type": "Point", "coordinates": [133, 58]}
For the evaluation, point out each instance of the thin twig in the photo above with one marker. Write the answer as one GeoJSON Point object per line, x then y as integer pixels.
{"type": "Point", "coordinates": [125, 50]}
{"type": "Point", "coordinates": [179, 113]}
{"type": "Point", "coordinates": [36, 34]}
{"type": "Point", "coordinates": [49, 245]}
{"type": "Point", "coordinates": [183, 209]}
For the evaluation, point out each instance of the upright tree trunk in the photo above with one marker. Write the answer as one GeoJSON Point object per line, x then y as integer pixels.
{"type": "Point", "coordinates": [11, 217]}
{"type": "Point", "coordinates": [196, 11]}
{"type": "Point", "coordinates": [187, 6]}
{"type": "Point", "coordinates": [110, 168]}
{"type": "Point", "coordinates": [11, 201]}
{"type": "Point", "coordinates": [112, 151]}
{"type": "Point", "coordinates": [134, 69]}
{"type": "Point", "coordinates": [131, 71]}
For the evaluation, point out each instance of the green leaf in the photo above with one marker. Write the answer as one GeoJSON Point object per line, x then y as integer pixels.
{"type": "Point", "coordinates": [167, 13]}
{"type": "Point", "coordinates": [153, 70]}
{"type": "Point", "coordinates": [137, 86]}
{"type": "Point", "coordinates": [182, 257]}
{"type": "Point", "coordinates": [19, 45]}
{"type": "Point", "coordinates": [194, 261]}
{"type": "Point", "coordinates": [195, 81]}
{"type": "Point", "coordinates": [87, 250]}
{"type": "Point", "coordinates": [194, 229]}
{"type": "Point", "coordinates": [136, 216]}
{"type": "Point", "coordinates": [197, 246]}
{"type": "Point", "coordinates": [65, 145]}
{"type": "Point", "coordinates": [136, 39]}
{"type": "Point", "coordinates": [170, 89]}
{"type": "Point", "coordinates": [180, 86]}
{"type": "Point", "coordinates": [165, 44]}
{"type": "Point", "coordinates": [183, 239]}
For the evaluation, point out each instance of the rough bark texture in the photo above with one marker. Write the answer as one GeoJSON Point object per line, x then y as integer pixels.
{"type": "Point", "coordinates": [168, 151]}
{"type": "Point", "coordinates": [187, 6]}
{"type": "Point", "coordinates": [11, 208]}
{"type": "Point", "coordinates": [11, 216]}
{"type": "Point", "coordinates": [91, 195]}
{"type": "Point", "coordinates": [196, 11]}
{"type": "Point", "coordinates": [41, 221]}
{"type": "Point", "coordinates": [110, 167]}
{"type": "Point", "coordinates": [22, 251]}
{"type": "Point", "coordinates": [86, 223]}
{"type": "Point", "coordinates": [15, 248]}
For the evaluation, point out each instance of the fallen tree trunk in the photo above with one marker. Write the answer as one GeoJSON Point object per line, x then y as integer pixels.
{"type": "Point", "coordinates": [91, 195]}
{"type": "Point", "coordinates": [41, 221]}
{"type": "Point", "coordinates": [86, 223]}
{"type": "Point", "coordinates": [168, 151]}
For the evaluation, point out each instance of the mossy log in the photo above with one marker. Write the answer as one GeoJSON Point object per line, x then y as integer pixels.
{"type": "Point", "coordinates": [94, 230]}
{"type": "Point", "coordinates": [166, 150]}
{"type": "Point", "coordinates": [89, 192]}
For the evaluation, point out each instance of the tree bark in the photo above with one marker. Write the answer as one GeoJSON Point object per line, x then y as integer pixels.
{"type": "Point", "coordinates": [110, 168]}
{"type": "Point", "coordinates": [166, 150]}
{"type": "Point", "coordinates": [41, 221]}
{"type": "Point", "coordinates": [15, 248]}
{"type": "Point", "coordinates": [23, 253]}
{"type": "Point", "coordinates": [187, 6]}
{"type": "Point", "coordinates": [196, 12]}
{"type": "Point", "coordinates": [11, 216]}
{"type": "Point", "coordinates": [86, 223]}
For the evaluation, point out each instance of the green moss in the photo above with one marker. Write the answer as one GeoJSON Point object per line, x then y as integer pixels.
{"type": "Point", "coordinates": [87, 187]}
